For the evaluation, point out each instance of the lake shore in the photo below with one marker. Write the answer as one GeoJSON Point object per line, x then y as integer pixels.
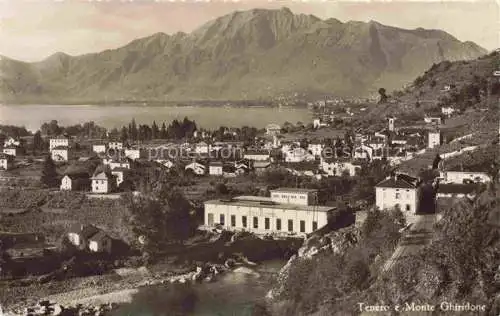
{"type": "Point", "coordinates": [116, 116]}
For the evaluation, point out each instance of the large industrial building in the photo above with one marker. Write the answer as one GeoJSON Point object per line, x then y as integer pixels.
{"type": "Point", "coordinates": [288, 211]}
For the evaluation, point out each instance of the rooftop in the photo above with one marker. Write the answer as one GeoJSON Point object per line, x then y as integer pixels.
{"type": "Point", "coordinates": [101, 176]}
{"type": "Point", "coordinates": [294, 190]}
{"type": "Point", "coordinates": [401, 181]}
{"type": "Point", "coordinates": [77, 175]}
{"type": "Point", "coordinates": [455, 188]}
{"type": "Point", "coordinates": [267, 203]}
{"type": "Point", "coordinates": [84, 229]}
{"type": "Point", "coordinates": [100, 235]}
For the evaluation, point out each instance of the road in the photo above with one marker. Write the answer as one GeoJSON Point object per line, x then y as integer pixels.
{"type": "Point", "coordinates": [418, 236]}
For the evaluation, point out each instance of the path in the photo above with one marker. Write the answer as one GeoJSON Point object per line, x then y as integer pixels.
{"type": "Point", "coordinates": [418, 236]}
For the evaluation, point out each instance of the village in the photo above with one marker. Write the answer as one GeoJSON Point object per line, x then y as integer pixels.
{"type": "Point", "coordinates": [270, 183]}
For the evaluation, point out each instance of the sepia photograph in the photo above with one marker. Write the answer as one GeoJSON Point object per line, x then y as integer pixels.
{"type": "Point", "coordinates": [249, 157]}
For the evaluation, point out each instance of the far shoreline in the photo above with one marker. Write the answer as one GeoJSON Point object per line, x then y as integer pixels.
{"type": "Point", "coordinates": [193, 103]}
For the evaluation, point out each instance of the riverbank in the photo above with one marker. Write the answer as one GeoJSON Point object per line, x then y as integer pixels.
{"type": "Point", "coordinates": [101, 298]}
{"type": "Point", "coordinates": [199, 262]}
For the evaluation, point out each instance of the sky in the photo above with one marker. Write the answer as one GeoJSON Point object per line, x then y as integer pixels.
{"type": "Point", "coordinates": [33, 30]}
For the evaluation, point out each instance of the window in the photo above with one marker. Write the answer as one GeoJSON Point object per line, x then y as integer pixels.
{"type": "Point", "coordinates": [221, 219]}
{"type": "Point", "coordinates": [233, 220]}
{"type": "Point", "coordinates": [244, 221]}
{"type": "Point", "coordinates": [266, 223]}
{"type": "Point", "coordinates": [408, 207]}
{"type": "Point", "coordinates": [315, 226]}
{"type": "Point", "coordinates": [290, 225]}
{"type": "Point", "coordinates": [302, 226]}
{"type": "Point", "coordinates": [255, 222]}
{"type": "Point", "coordinates": [278, 224]}
{"type": "Point", "coordinates": [210, 219]}
{"type": "Point", "coordinates": [398, 195]}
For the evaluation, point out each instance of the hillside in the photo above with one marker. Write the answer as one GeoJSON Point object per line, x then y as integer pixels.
{"type": "Point", "coordinates": [460, 84]}
{"type": "Point", "coordinates": [243, 55]}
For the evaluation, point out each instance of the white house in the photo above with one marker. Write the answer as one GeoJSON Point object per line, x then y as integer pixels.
{"type": "Point", "coordinates": [100, 242]}
{"type": "Point", "coordinates": [202, 148]}
{"type": "Point", "coordinates": [257, 155]}
{"type": "Point", "coordinates": [59, 141]}
{"type": "Point", "coordinates": [434, 139]}
{"type": "Point", "coordinates": [338, 167]}
{"type": "Point", "coordinates": [79, 234]}
{"type": "Point", "coordinates": [317, 123]}
{"type": "Point", "coordinates": [273, 129]}
{"type": "Point", "coordinates": [432, 120]}
{"type": "Point", "coordinates": [6, 161]}
{"type": "Point", "coordinates": [115, 145]}
{"type": "Point", "coordinates": [10, 150]}
{"type": "Point", "coordinates": [464, 176]}
{"type": "Point", "coordinates": [75, 182]}
{"type": "Point", "coordinates": [103, 182]}
{"type": "Point", "coordinates": [11, 142]}
{"type": "Point", "coordinates": [399, 190]}
{"type": "Point", "coordinates": [99, 148]}
{"type": "Point", "coordinates": [288, 211]}
{"type": "Point", "coordinates": [89, 237]}
{"type": "Point", "coordinates": [298, 154]}
{"type": "Point", "coordinates": [448, 110]}
{"type": "Point", "coordinates": [133, 153]}
{"type": "Point", "coordinates": [315, 148]}
{"type": "Point", "coordinates": [60, 153]}
{"type": "Point", "coordinates": [215, 168]}
{"type": "Point", "coordinates": [391, 121]}
{"type": "Point", "coordinates": [196, 168]}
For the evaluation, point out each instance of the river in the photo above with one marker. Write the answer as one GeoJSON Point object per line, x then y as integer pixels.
{"type": "Point", "coordinates": [232, 294]}
{"type": "Point", "coordinates": [33, 116]}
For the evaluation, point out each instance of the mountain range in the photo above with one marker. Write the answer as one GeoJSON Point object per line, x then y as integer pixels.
{"type": "Point", "coordinates": [251, 54]}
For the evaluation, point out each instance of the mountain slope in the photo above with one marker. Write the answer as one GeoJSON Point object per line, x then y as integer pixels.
{"type": "Point", "coordinates": [243, 55]}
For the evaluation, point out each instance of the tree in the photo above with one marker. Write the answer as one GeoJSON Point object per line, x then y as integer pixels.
{"type": "Point", "coordinates": [435, 163]}
{"type": "Point", "coordinates": [162, 217]}
{"type": "Point", "coordinates": [49, 177]}
{"type": "Point", "coordinates": [155, 132]}
{"type": "Point", "coordinates": [163, 131]}
{"type": "Point", "coordinates": [132, 130]}
{"type": "Point", "coordinates": [37, 141]}
{"type": "Point", "coordinates": [383, 96]}
{"type": "Point", "coordinates": [51, 129]}
{"type": "Point", "coordinates": [124, 134]}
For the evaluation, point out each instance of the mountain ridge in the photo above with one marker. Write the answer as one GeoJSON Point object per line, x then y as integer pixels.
{"type": "Point", "coordinates": [257, 53]}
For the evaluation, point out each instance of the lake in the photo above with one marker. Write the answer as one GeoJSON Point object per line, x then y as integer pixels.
{"type": "Point", "coordinates": [232, 294]}
{"type": "Point", "coordinates": [33, 116]}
